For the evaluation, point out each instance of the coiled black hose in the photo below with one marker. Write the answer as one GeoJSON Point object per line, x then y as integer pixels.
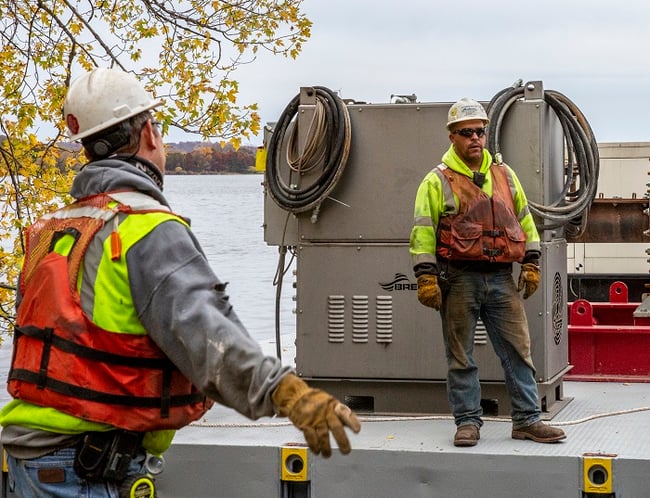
{"type": "Point", "coordinates": [328, 140]}
{"type": "Point", "coordinates": [571, 208]}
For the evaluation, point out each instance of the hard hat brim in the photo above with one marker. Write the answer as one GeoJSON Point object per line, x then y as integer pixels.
{"type": "Point", "coordinates": [111, 122]}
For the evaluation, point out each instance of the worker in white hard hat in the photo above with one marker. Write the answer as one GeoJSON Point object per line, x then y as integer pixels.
{"type": "Point", "coordinates": [471, 223]}
{"type": "Point", "coordinates": [123, 332]}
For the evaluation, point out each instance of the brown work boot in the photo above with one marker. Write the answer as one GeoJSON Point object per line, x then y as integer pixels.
{"type": "Point", "coordinates": [539, 432]}
{"type": "Point", "coordinates": [467, 435]}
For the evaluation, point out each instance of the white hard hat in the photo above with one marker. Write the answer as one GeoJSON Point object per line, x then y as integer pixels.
{"type": "Point", "coordinates": [466, 110]}
{"type": "Point", "coordinates": [102, 98]}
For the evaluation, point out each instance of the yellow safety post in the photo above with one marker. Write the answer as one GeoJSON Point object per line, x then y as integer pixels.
{"type": "Point", "coordinates": [260, 159]}
{"type": "Point", "coordinates": [294, 464]}
{"type": "Point", "coordinates": [597, 473]}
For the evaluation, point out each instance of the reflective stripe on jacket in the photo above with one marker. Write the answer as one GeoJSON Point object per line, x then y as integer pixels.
{"type": "Point", "coordinates": [99, 366]}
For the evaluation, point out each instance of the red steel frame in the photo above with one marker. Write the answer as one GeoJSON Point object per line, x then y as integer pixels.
{"type": "Point", "coordinates": [607, 343]}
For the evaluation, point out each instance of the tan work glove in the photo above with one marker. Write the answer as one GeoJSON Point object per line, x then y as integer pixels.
{"type": "Point", "coordinates": [528, 279]}
{"type": "Point", "coordinates": [316, 413]}
{"type": "Point", "coordinates": [429, 291]}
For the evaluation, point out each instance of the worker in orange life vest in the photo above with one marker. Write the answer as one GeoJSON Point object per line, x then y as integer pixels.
{"type": "Point", "coordinates": [124, 334]}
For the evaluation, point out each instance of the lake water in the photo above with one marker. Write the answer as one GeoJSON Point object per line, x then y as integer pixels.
{"type": "Point", "coordinates": [227, 215]}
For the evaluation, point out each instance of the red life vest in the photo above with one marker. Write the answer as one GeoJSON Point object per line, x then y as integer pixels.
{"type": "Point", "coordinates": [484, 228]}
{"type": "Point", "coordinates": [61, 359]}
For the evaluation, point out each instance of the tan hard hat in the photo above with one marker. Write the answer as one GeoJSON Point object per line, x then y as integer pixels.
{"type": "Point", "coordinates": [102, 98]}
{"type": "Point", "coordinates": [466, 110]}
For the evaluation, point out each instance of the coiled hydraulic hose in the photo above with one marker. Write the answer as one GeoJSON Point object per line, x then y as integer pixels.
{"type": "Point", "coordinates": [312, 172]}
{"type": "Point", "coordinates": [325, 153]}
{"type": "Point", "coordinates": [571, 208]}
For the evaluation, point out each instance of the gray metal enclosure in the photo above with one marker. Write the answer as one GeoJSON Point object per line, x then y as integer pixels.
{"type": "Point", "coordinates": [361, 331]}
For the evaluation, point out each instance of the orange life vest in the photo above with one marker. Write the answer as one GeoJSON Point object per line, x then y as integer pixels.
{"type": "Point", "coordinates": [484, 228]}
{"type": "Point", "coordinates": [61, 359]}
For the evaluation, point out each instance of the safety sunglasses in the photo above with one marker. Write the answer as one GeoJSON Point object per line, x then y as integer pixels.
{"type": "Point", "coordinates": [468, 132]}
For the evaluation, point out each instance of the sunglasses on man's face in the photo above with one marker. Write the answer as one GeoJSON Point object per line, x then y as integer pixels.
{"type": "Point", "coordinates": [468, 132]}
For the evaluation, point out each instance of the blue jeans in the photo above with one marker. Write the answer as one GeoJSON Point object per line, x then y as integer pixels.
{"type": "Point", "coordinates": [492, 297]}
{"type": "Point", "coordinates": [24, 478]}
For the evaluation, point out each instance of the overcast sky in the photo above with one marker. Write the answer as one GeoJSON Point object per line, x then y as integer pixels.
{"type": "Point", "coordinates": [595, 52]}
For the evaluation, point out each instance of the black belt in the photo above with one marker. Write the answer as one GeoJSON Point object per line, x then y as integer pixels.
{"type": "Point", "coordinates": [477, 266]}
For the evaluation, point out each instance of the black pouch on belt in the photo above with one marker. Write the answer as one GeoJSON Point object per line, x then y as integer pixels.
{"type": "Point", "coordinates": [106, 455]}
